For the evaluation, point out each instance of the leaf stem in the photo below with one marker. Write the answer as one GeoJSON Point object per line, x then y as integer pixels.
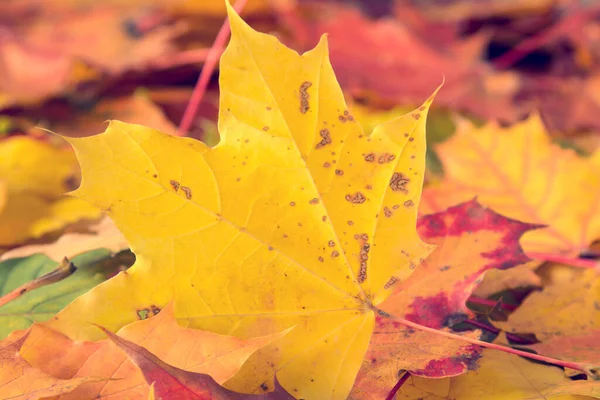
{"type": "Point", "coordinates": [64, 270]}
{"type": "Point", "coordinates": [397, 386]}
{"type": "Point", "coordinates": [209, 66]}
{"type": "Point", "coordinates": [573, 262]}
{"type": "Point", "coordinates": [492, 329]}
{"type": "Point", "coordinates": [490, 303]}
{"type": "Point", "coordinates": [537, 357]}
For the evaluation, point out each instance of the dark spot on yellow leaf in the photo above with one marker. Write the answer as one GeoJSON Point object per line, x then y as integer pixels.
{"type": "Point", "coordinates": [339, 172]}
{"type": "Point", "coordinates": [265, 128]}
{"type": "Point", "coordinates": [187, 191]}
{"type": "Point", "coordinates": [325, 138]}
{"type": "Point", "coordinates": [264, 386]}
{"type": "Point", "coordinates": [422, 108]}
{"type": "Point", "coordinates": [370, 157]}
{"type": "Point", "coordinates": [324, 218]}
{"type": "Point", "coordinates": [416, 115]}
{"type": "Point", "coordinates": [326, 165]}
{"type": "Point", "coordinates": [335, 254]}
{"type": "Point", "coordinates": [387, 212]}
{"type": "Point", "coordinates": [386, 158]}
{"type": "Point", "coordinates": [321, 259]}
{"type": "Point", "coordinates": [331, 243]}
{"type": "Point", "coordinates": [398, 182]}
{"type": "Point", "coordinates": [390, 283]}
{"type": "Point", "coordinates": [269, 108]}
{"type": "Point", "coordinates": [445, 268]}
{"type": "Point", "coordinates": [342, 119]}
{"type": "Point", "coordinates": [175, 185]}
{"type": "Point", "coordinates": [292, 203]}
{"type": "Point", "coordinates": [368, 187]}
{"type": "Point", "coordinates": [411, 139]}
{"type": "Point", "coordinates": [356, 198]}
{"type": "Point", "coordinates": [350, 223]}
{"type": "Point", "coordinates": [155, 176]}
{"type": "Point", "coordinates": [408, 203]}
{"type": "Point", "coordinates": [304, 96]}
{"type": "Point", "coordinates": [314, 201]}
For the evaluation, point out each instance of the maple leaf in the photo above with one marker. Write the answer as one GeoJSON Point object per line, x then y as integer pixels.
{"type": "Point", "coordinates": [44, 302]}
{"type": "Point", "coordinates": [567, 306]}
{"type": "Point", "coordinates": [294, 219]}
{"type": "Point", "coordinates": [519, 172]}
{"type": "Point", "coordinates": [500, 376]}
{"type": "Point", "coordinates": [170, 382]}
{"type": "Point", "coordinates": [470, 240]}
{"type": "Point", "coordinates": [35, 174]}
{"type": "Point", "coordinates": [191, 350]}
{"type": "Point", "coordinates": [20, 381]}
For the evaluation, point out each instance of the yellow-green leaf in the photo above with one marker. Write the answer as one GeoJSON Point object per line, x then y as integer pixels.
{"type": "Point", "coordinates": [295, 219]}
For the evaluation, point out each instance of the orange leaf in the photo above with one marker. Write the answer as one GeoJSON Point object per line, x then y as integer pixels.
{"type": "Point", "coordinates": [189, 349]}
{"type": "Point", "coordinates": [20, 381]}
{"type": "Point", "coordinates": [174, 383]}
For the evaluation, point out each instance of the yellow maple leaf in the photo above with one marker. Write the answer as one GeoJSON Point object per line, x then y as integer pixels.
{"type": "Point", "coordinates": [520, 173]}
{"type": "Point", "coordinates": [295, 219]}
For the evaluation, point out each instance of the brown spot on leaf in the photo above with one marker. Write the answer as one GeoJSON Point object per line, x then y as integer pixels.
{"type": "Point", "coordinates": [387, 212]}
{"type": "Point", "coordinates": [187, 191]}
{"type": "Point", "coordinates": [313, 201]}
{"type": "Point", "coordinates": [331, 243]}
{"type": "Point", "coordinates": [304, 96]}
{"type": "Point", "coordinates": [321, 259]}
{"type": "Point", "coordinates": [326, 138]}
{"type": "Point", "coordinates": [324, 218]}
{"type": "Point", "coordinates": [292, 203]}
{"type": "Point", "coordinates": [411, 139]}
{"type": "Point", "coordinates": [265, 128]}
{"type": "Point", "coordinates": [393, 280]}
{"type": "Point", "coordinates": [408, 203]}
{"type": "Point", "coordinates": [342, 119]}
{"type": "Point", "coordinates": [174, 184]}
{"type": "Point", "coordinates": [155, 176]}
{"type": "Point", "coordinates": [416, 116]}
{"type": "Point", "coordinates": [386, 158]}
{"type": "Point", "coordinates": [370, 157]}
{"type": "Point", "coordinates": [339, 172]}
{"type": "Point", "coordinates": [269, 108]}
{"type": "Point", "coordinates": [362, 272]}
{"type": "Point", "coordinates": [335, 254]}
{"type": "Point", "coordinates": [326, 165]}
{"type": "Point", "coordinates": [398, 182]}
{"type": "Point", "coordinates": [356, 198]}
{"type": "Point", "coordinates": [350, 222]}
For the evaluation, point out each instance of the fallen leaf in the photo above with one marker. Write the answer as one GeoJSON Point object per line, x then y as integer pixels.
{"type": "Point", "coordinates": [43, 303]}
{"type": "Point", "coordinates": [35, 175]}
{"type": "Point", "coordinates": [519, 172]}
{"type": "Point", "coordinates": [20, 381]}
{"type": "Point", "coordinates": [297, 252]}
{"type": "Point", "coordinates": [579, 348]}
{"type": "Point", "coordinates": [103, 234]}
{"type": "Point", "coordinates": [501, 376]}
{"type": "Point", "coordinates": [567, 306]}
{"type": "Point", "coordinates": [519, 277]}
{"type": "Point", "coordinates": [169, 381]}
{"type": "Point", "coordinates": [470, 240]}
{"type": "Point", "coordinates": [192, 350]}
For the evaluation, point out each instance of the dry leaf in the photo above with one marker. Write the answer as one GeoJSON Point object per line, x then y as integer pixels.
{"type": "Point", "coordinates": [520, 173]}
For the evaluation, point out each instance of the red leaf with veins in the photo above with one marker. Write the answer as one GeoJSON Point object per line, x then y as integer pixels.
{"type": "Point", "coordinates": [470, 239]}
